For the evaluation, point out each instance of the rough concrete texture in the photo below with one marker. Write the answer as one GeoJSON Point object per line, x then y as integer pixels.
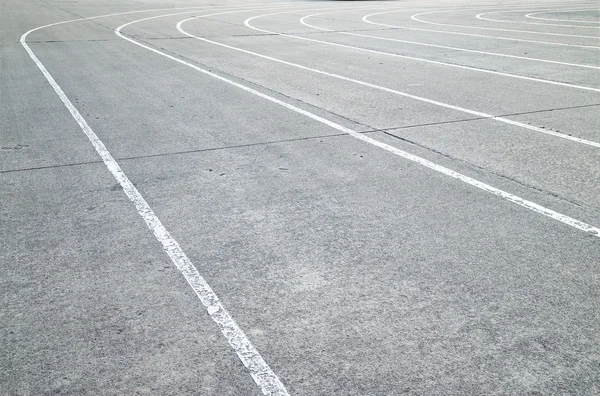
{"type": "Point", "coordinates": [353, 271]}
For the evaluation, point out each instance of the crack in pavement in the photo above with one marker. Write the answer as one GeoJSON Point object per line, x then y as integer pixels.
{"type": "Point", "coordinates": [579, 204]}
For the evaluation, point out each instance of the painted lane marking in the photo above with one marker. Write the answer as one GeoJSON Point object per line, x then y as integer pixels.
{"type": "Point", "coordinates": [480, 16]}
{"type": "Point", "coordinates": [197, 8]}
{"type": "Point", "coordinates": [262, 374]}
{"type": "Point", "coordinates": [415, 18]}
{"type": "Point", "coordinates": [411, 157]}
{"type": "Point", "coordinates": [366, 19]}
{"type": "Point", "coordinates": [303, 22]}
{"type": "Point", "coordinates": [530, 16]}
{"type": "Point", "coordinates": [389, 90]}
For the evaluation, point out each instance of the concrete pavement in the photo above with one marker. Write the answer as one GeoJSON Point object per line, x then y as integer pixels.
{"type": "Point", "coordinates": [351, 269]}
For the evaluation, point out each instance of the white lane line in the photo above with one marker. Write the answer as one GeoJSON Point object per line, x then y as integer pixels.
{"type": "Point", "coordinates": [260, 371]}
{"type": "Point", "coordinates": [530, 16]}
{"type": "Point", "coordinates": [415, 18]}
{"type": "Point", "coordinates": [389, 90]}
{"type": "Point", "coordinates": [303, 22]}
{"type": "Point", "coordinates": [366, 19]}
{"type": "Point", "coordinates": [411, 157]}
{"type": "Point", "coordinates": [197, 8]}
{"type": "Point", "coordinates": [480, 16]}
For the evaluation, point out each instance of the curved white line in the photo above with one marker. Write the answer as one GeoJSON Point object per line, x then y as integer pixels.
{"type": "Point", "coordinates": [419, 98]}
{"type": "Point", "coordinates": [420, 59]}
{"type": "Point", "coordinates": [197, 8]}
{"type": "Point", "coordinates": [552, 82]}
{"type": "Point", "coordinates": [530, 16]}
{"type": "Point", "coordinates": [366, 19]}
{"type": "Point", "coordinates": [260, 371]}
{"type": "Point", "coordinates": [389, 90]}
{"type": "Point", "coordinates": [411, 157]}
{"type": "Point", "coordinates": [303, 22]}
{"type": "Point", "coordinates": [414, 18]}
{"type": "Point", "coordinates": [479, 16]}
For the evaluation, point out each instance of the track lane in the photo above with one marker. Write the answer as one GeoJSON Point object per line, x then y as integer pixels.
{"type": "Point", "coordinates": [416, 17]}
{"type": "Point", "coordinates": [349, 259]}
{"type": "Point", "coordinates": [386, 89]}
{"type": "Point", "coordinates": [303, 22]}
{"type": "Point", "coordinates": [481, 16]}
{"type": "Point", "coordinates": [366, 19]}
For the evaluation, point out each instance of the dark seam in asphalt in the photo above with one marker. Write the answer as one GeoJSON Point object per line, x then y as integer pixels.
{"type": "Point", "coordinates": [386, 131]}
{"type": "Point", "coordinates": [494, 116]}
{"type": "Point", "coordinates": [71, 164]}
{"type": "Point", "coordinates": [341, 134]}
{"type": "Point", "coordinates": [223, 73]}
{"type": "Point", "coordinates": [489, 171]}
{"type": "Point", "coordinates": [184, 152]}
{"type": "Point", "coordinates": [371, 129]}
{"type": "Point", "coordinates": [69, 41]}
{"type": "Point", "coordinates": [61, 8]}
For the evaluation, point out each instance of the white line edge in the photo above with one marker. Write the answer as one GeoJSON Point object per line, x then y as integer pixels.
{"type": "Point", "coordinates": [595, 231]}
{"type": "Point", "coordinates": [260, 371]}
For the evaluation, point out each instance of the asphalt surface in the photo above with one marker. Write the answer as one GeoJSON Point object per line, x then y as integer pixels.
{"type": "Point", "coordinates": [350, 266]}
